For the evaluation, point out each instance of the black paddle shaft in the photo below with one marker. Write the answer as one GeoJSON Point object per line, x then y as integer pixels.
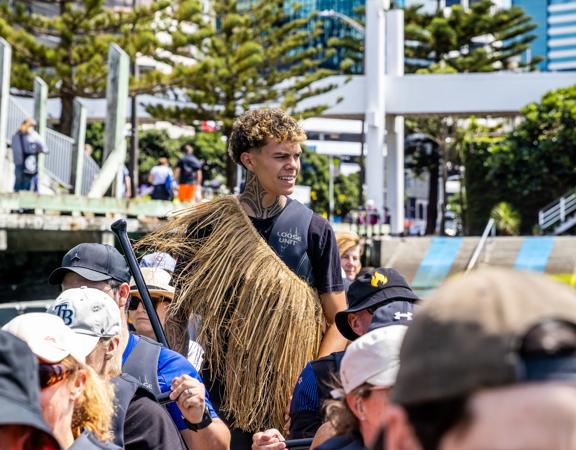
{"type": "Point", "coordinates": [119, 229]}
{"type": "Point", "coordinates": [298, 443]}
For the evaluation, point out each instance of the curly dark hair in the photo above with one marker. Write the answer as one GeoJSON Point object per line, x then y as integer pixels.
{"type": "Point", "coordinates": [253, 128]}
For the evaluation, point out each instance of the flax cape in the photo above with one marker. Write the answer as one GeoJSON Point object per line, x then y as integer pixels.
{"type": "Point", "coordinates": [261, 323]}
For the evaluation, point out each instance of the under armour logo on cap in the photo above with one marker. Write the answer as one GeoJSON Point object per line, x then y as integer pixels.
{"type": "Point", "coordinates": [405, 316]}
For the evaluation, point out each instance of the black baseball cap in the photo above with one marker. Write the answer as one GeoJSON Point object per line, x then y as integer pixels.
{"type": "Point", "coordinates": [370, 289]}
{"type": "Point", "coordinates": [95, 262]}
{"type": "Point", "coordinates": [398, 312]}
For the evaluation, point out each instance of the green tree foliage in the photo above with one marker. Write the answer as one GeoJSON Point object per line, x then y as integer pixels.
{"type": "Point", "coordinates": [506, 218]}
{"type": "Point", "coordinates": [66, 43]}
{"type": "Point", "coordinates": [478, 39]}
{"type": "Point", "coordinates": [315, 172]}
{"type": "Point", "coordinates": [536, 163]}
{"type": "Point", "coordinates": [246, 54]}
{"type": "Point", "coordinates": [208, 147]}
{"type": "Point", "coordinates": [473, 144]}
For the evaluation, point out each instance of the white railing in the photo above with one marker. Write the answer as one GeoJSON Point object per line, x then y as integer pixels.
{"type": "Point", "coordinates": [557, 212]}
{"type": "Point", "coordinates": [489, 230]}
{"type": "Point", "coordinates": [58, 162]}
{"type": "Point", "coordinates": [89, 172]}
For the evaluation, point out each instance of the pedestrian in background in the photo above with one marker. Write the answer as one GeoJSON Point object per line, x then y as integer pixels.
{"type": "Point", "coordinates": [188, 174]}
{"type": "Point", "coordinates": [26, 145]}
{"type": "Point", "coordinates": [161, 178]}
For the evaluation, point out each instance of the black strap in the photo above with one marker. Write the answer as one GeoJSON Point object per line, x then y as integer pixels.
{"type": "Point", "coordinates": [326, 370]}
{"type": "Point", "coordinates": [142, 364]}
{"type": "Point", "coordinates": [289, 238]}
{"type": "Point", "coordinates": [126, 387]}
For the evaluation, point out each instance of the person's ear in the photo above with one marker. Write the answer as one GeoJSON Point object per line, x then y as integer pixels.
{"type": "Point", "coordinates": [123, 295]}
{"type": "Point", "coordinates": [246, 160]}
{"type": "Point", "coordinates": [112, 348]}
{"type": "Point", "coordinates": [79, 384]}
{"type": "Point", "coordinates": [356, 405]}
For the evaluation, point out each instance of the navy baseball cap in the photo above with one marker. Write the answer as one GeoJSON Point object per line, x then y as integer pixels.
{"type": "Point", "coordinates": [400, 312]}
{"type": "Point", "coordinates": [371, 289]}
{"type": "Point", "coordinates": [95, 262]}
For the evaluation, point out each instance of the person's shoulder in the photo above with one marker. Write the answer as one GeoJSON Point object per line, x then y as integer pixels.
{"type": "Point", "coordinates": [343, 442]}
{"type": "Point", "coordinates": [175, 361]}
{"type": "Point", "coordinates": [320, 226]}
{"type": "Point", "coordinates": [88, 441]}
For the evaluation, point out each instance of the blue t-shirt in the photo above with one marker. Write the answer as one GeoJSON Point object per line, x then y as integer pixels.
{"type": "Point", "coordinates": [170, 366]}
{"type": "Point", "coordinates": [305, 396]}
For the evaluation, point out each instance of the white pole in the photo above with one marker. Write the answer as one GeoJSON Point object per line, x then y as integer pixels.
{"type": "Point", "coordinates": [5, 62]}
{"type": "Point", "coordinates": [375, 105]}
{"type": "Point", "coordinates": [395, 124]}
{"type": "Point", "coordinates": [331, 190]}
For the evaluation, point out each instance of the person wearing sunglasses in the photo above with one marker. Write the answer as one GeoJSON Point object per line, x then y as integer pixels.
{"type": "Point", "coordinates": [360, 405]}
{"type": "Point", "coordinates": [160, 369]}
{"type": "Point", "coordinates": [372, 290]}
{"type": "Point", "coordinates": [75, 402]}
{"type": "Point", "coordinates": [22, 426]}
{"type": "Point", "coordinates": [161, 293]}
{"type": "Point", "coordinates": [95, 317]}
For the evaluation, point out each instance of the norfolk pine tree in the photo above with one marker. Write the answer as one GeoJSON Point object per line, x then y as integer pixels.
{"type": "Point", "coordinates": [246, 54]}
{"type": "Point", "coordinates": [69, 49]}
{"type": "Point", "coordinates": [478, 39]}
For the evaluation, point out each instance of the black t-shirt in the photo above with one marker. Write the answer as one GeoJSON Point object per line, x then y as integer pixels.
{"type": "Point", "coordinates": [149, 426]}
{"type": "Point", "coordinates": [188, 166]}
{"type": "Point", "coordinates": [322, 252]}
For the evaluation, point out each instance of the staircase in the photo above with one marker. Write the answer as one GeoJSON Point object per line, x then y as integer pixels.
{"type": "Point", "coordinates": [559, 216]}
{"type": "Point", "coordinates": [58, 161]}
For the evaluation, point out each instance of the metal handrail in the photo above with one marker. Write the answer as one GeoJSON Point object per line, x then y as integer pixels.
{"type": "Point", "coordinates": [557, 211]}
{"type": "Point", "coordinates": [490, 227]}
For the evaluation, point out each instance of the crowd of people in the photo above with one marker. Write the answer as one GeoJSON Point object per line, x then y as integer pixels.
{"type": "Point", "coordinates": [268, 345]}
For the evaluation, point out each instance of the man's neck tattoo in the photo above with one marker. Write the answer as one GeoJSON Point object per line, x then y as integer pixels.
{"type": "Point", "coordinates": [260, 204]}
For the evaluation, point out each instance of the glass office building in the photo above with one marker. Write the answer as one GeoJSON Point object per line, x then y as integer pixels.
{"type": "Point", "coordinates": [331, 13]}
{"type": "Point", "coordinates": [556, 32]}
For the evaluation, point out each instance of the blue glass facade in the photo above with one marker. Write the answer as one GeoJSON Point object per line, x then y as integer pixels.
{"type": "Point", "coordinates": [333, 26]}
{"type": "Point", "coordinates": [556, 32]}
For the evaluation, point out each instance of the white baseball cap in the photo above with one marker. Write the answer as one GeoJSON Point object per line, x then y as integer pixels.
{"type": "Point", "coordinates": [48, 337]}
{"type": "Point", "coordinates": [91, 313]}
{"type": "Point", "coordinates": [372, 358]}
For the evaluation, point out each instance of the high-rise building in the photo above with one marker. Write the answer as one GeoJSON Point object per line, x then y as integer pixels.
{"type": "Point", "coordinates": [339, 18]}
{"type": "Point", "coordinates": [556, 32]}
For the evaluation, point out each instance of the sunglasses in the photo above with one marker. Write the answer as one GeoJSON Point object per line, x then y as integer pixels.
{"type": "Point", "coordinates": [50, 374]}
{"type": "Point", "coordinates": [135, 301]}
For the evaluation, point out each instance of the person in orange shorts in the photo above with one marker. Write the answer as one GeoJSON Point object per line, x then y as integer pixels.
{"type": "Point", "coordinates": [188, 174]}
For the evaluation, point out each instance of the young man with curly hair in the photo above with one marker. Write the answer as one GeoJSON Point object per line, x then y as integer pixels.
{"type": "Point", "coordinates": [263, 272]}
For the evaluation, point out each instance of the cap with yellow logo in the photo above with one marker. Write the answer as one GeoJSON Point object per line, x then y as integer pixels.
{"type": "Point", "coordinates": [370, 290]}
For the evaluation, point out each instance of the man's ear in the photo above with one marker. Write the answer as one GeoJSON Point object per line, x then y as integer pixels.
{"type": "Point", "coordinates": [246, 160]}
{"type": "Point", "coordinates": [112, 347]}
{"type": "Point", "coordinates": [123, 295]}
